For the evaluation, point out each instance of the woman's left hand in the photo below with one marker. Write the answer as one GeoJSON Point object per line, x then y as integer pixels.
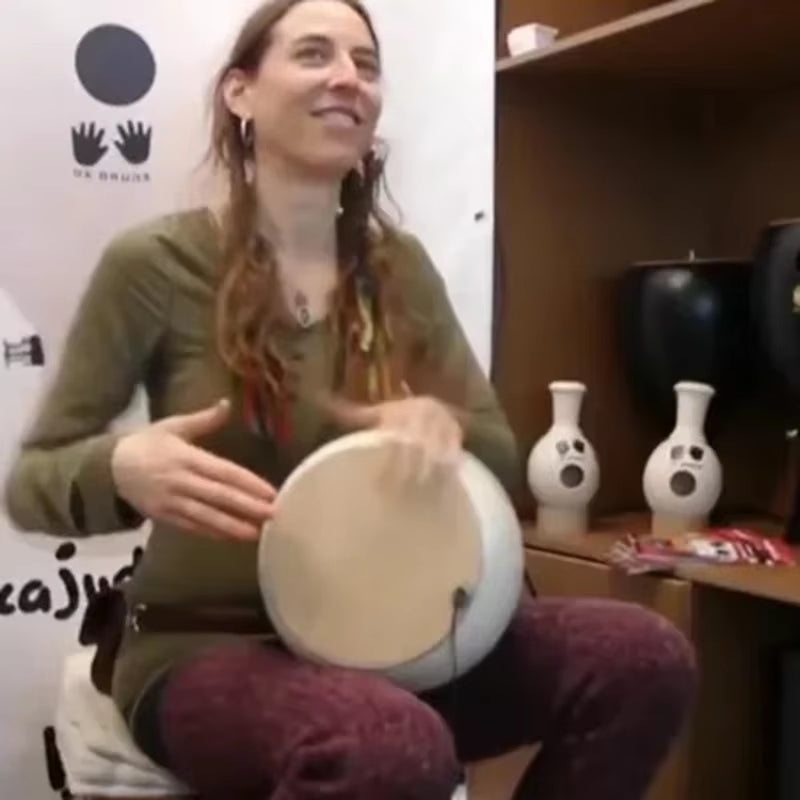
{"type": "Point", "coordinates": [428, 434]}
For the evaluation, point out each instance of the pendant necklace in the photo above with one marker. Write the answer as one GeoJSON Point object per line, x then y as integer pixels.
{"type": "Point", "coordinates": [301, 309]}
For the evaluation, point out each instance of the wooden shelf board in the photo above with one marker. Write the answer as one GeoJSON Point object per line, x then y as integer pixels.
{"type": "Point", "coordinates": [696, 43]}
{"type": "Point", "coordinates": [781, 584]}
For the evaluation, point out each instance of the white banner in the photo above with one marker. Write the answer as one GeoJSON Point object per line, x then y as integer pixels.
{"type": "Point", "coordinates": [108, 129]}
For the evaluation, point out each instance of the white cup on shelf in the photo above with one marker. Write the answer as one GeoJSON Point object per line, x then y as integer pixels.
{"type": "Point", "coordinates": [532, 36]}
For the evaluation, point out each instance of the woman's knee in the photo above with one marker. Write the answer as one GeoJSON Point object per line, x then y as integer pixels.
{"type": "Point", "coordinates": [396, 746]}
{"type": "Point", "coordinates": [647, 661]}
{"type": "Point", "coordinates": [282, 724]}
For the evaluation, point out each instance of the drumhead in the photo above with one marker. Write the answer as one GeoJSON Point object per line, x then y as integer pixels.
{"type": "Point", "coordinates": [360, 571]}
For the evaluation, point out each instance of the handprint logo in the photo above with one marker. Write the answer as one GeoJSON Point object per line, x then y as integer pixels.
{"type": "Point", "coordinates": [87, 144]}
{"type": "Point", "coordinates": [116, 66]}
{"type": "Point", "coordinates": [134, 144]}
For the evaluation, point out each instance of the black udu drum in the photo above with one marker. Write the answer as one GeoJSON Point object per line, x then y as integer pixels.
{"type": "Point", "coordinates": [776, 298]}
{"type": "Point", "coordinates": [776, 309]}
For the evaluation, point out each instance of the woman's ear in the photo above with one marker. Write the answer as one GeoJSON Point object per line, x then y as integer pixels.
{"type": "Point", "coordinates": [237, 92]}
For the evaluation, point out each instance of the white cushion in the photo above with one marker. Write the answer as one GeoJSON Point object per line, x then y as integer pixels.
{"type": "Point", "coordinates": [461, 792]}
{"type": "Point", "coordinates": [96, 748]}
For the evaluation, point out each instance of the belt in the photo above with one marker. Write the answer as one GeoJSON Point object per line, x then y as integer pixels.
{"type": "Point", "coordinates": [186, 618]}
{"type": "Point", "coordinates": [108, 616]}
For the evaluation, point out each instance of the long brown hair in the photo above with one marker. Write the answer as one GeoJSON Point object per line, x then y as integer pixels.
{"type": "Point", "coordinates": [247, 310]}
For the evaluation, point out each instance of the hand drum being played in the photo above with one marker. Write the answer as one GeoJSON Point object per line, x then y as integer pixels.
{"type": "Point", "coordinates": [416, 580]}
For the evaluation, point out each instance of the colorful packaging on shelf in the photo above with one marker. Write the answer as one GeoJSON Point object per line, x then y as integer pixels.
{"type": "Point", "coordinates": [721, 546]}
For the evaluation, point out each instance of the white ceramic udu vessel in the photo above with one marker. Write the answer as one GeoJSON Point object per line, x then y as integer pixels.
{"type": "Point", "coordinates": [563, 473]}
{"type": "Point", "coordinates": [682, 479]}
{"type": "Point", "coordinates": [359, 571]}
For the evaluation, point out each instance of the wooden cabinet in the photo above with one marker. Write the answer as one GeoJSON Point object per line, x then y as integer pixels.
{"type": "Point", "coordinates": [729, 748]}
{"type": "Point", "coordinates": [739, 619]}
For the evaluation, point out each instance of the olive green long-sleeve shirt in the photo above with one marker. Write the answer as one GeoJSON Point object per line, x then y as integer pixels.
{"type": "Point", "coordinates": [146, 319]}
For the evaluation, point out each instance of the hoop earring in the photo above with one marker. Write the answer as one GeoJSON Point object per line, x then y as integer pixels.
{"type": "Point", "coordinates": [246, 132]}
{"type": "Point", "coordinates": [368, 162]}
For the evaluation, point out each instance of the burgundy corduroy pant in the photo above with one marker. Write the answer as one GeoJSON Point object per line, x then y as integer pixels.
{"type": "Point", "coordinates": [603, 686]}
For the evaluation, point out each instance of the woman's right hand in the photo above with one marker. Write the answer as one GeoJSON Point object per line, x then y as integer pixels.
{"type": "Point", "coordinates": [167, 478]}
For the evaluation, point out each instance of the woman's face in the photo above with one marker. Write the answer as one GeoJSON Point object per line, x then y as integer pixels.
{"type": "Point", "coordinates": [316, 97]}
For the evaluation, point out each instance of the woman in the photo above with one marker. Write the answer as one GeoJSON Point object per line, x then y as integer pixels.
{"type": "Point", "coordinates": [296, 288]}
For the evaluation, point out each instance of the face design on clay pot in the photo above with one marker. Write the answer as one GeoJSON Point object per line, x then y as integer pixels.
{"type": "Point", "coordinates": [686, 462]}
{"type": "Point", "coordinates": [572, 454]}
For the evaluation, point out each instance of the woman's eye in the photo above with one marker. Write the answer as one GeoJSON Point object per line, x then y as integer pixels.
{"type": "Point", "coordinates": [312, 55]}
{"type": "Point", "coordinates": [368, 68]}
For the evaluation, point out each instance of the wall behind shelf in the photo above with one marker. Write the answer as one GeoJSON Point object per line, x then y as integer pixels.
{"type": "Point", "coordinates": [753, 144]}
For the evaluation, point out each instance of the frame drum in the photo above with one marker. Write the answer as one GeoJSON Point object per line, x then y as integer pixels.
{"type": "Point", "coordinates": [415, 580]}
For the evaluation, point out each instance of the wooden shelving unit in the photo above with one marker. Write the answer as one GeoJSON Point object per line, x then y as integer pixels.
{"type": "Point", "coordinates": [670, 130]}
{"type": "Point", "coordinates": [649, 130]}
{"type": "Point", "coordinates": [698, 43]}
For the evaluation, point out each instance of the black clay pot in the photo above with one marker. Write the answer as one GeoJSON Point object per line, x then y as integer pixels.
{"type": "Point", "coordinates": [776, 298]}
{"type": "Point", "coordinates": [687, 321]}
{"type": "Point", "coordinates": [776, 311]}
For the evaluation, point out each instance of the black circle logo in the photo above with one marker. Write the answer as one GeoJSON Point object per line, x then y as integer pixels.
{"type": "Point", "coordinates": [115, 65]}
{"type": "Point", "coordinates": [683, 483]}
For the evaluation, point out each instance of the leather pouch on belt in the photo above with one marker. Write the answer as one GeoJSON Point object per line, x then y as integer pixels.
{"type": "Point", "coordinates": [103, 625]}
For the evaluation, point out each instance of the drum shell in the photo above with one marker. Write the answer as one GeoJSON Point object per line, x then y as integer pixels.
{"type": "Point", "coordinates": [492, 603]}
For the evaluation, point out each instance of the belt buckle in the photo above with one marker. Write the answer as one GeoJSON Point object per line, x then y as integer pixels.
{"type": "Point", "coordinates": [133, 617]}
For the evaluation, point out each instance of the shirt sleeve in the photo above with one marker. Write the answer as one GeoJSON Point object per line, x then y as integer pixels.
{"type": "Point", "coordinates": [445, 366]}
{"type": "Point", "coordinates": [61, 481]}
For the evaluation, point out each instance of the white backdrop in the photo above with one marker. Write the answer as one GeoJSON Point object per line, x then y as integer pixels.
{"type": "Point", "coordinates": [56, 215]}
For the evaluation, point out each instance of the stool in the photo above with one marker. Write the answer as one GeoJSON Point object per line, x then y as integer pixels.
{"type": "Point", "coordinates": [98, 756]}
